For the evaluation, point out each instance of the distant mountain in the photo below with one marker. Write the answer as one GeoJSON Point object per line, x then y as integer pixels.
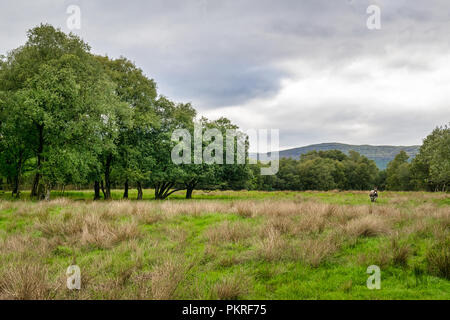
{"type": "Point", "coordinates": [382, 155]}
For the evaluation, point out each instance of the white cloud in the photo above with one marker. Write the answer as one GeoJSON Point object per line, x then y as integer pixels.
{"type": "Point", "coordinates": [362, 101]}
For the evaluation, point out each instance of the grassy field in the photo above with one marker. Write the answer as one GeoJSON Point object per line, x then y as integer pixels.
{"type": "Point", "coordinates": [227, 245]}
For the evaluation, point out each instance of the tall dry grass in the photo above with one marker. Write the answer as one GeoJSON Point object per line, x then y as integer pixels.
{"type": "Point", "coordinates": [438, 259]}
{"type": "Point", "coordinates": [367, 226]}
{"type": "Point", "coordinates": [25, 282]}
{"type": "Point", "coordinates": [153, 244]}
{"type": "Point", "coordinates": [227, 231]}
{"type": "Point", "coordinates": [230, 288]}
{"type": "Point", "coordinates": [88, 229]}
{"type": "Point", "coordinates": [272, 246]}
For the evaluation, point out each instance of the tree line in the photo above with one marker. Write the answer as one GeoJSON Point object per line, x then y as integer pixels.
{"type": "Point", "coordinates": [69, 117]}
{"type": "Point", "coordinates": [329, 170]}
{"type": "Point", "coordinates": [429, 170]}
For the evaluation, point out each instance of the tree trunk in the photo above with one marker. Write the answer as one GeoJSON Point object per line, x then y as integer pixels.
{"type": "Point", "coordinates": [189, 193]}
{"type": "Point", "coordinates": [34, 190]}
{"type": "Point", "coordinates": [190, 186]}
{"type": "Point", "coordinates": [157, 192]}
{"type": "Point", "coordinates": [47, 193]}
{"type": "Point", "coordinates": [162, 190]}
{"type": "Point", "coordinates": [107, 177]}
{"type": "Point", "coordinates": [9, 181]}
{"type": "Point", "coordinates": [41, 192]}
{"type": "Point", "coordinates": [18, 175]}
{"type": "Point", "coordinates": [140, 192]}
{"type": "Point", "coordinates": [15, 190]}
{"type": "Point", "coordinates": [103, 189]}
{"type": "Point", "coordinates": [96, 190]}
{"type": "Point", "coordinates": [125, 192]}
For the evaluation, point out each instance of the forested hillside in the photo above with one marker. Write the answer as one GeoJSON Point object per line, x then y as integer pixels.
{"type": "Point", "coordinates": [382, 155]}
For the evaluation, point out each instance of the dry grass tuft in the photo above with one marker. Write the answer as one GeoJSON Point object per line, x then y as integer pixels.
{"type": "Point", "coordinates": [367, 226]}
{"type": "Point", "coordinates": [103, 235]}
{"type": "Point", "coordinates": [25, 282]}
{"type": "Point", "coordinates": [395, 253]}
{"type": "Point", "coordinates": [162, 281]}
{"type": "Point", "coordinates": [317, 251]}
{"type": "Point", "coordinates": [380, 258]}
{"type": "Point", "coordinates": [229, 288]}
{"type": "Point", "coordinates": [272, 247]}
{"type": "Point", "coordinates": [245, 209]}
{"type": "Point", "coordinates": [165, 279]}
{"type": "Point", "coordinates": [400, 253]}
{"type": "Point", "coordinates": [209, 254]}
{"type": "Point", "coordinates": [311, 223]}
{"type": "Point", "coordinates": [228, 232]}
{"type": "Point", "coordinates": [229, 261]}
{"type": "Point", "coordinates": [176, 234]}
{"type": "Point", "coordinates": [150, 218]}
{"type": "Point", "coordinates": [89, 229]}
{"type": "Point", "coordinates": [438, 259]}
{"type": "Point", "coordinates": [26, 245]}
{"type": "Point", "coordinates": [283, 224]}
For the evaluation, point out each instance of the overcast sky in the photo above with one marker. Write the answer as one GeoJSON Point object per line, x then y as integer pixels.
{"type": "Point", "coordinates": [310, 68]}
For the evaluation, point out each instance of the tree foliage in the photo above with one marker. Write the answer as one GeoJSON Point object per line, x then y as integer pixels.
{"type": "Point", "coordinates": [68, 117]}
{"type": "Point", "coordinates": [323, 170]}
{"type": "Point", "coordinates": [431, 167]}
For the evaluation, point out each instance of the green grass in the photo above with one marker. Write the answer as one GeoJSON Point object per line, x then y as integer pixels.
{"type": "Point", "coordinates": [178, 242]}
{"type": "Point", "coordinates": [333, 197]}
{"type": "Point", "coordinates": [149, 195]}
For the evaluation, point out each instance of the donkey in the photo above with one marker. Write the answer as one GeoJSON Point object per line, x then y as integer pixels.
{"type": "Point", "coordinates": [373, 195]}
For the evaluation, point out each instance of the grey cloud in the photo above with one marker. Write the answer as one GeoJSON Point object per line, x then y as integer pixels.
{"type": "Point", "coordinates": [356, 125]}
{"type": "Point", "coordinates": [217, 53]}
